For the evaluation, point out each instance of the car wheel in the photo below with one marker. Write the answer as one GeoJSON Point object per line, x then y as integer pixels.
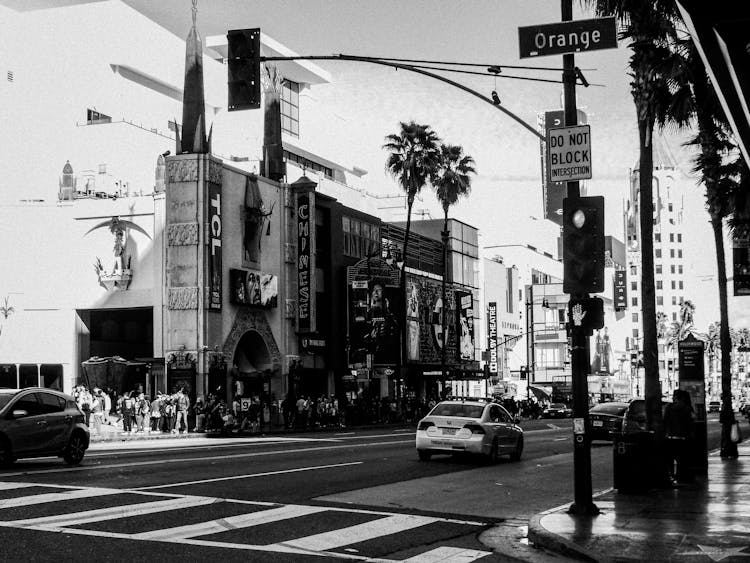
{"type": "Point", "coordinates": [516, 455]}
{"type": "Point", "coordinates": [424, 455]}
{"type": "Point", "coordinates": [74, 452]}
{"type": "Point", "coordinates": [6, 455]}
{"type": "Point", "coordinates": [493, 456]}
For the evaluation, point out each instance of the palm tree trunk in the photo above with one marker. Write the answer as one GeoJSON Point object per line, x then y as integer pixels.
{"type": "Point", "coordinates": [402, 295]}
{"type": "Point", "coordinates": [445, 301]}
{"type": "Point", "coordinates": [728, 448]}
{"type": "Point", "coordinates": [652, 385]}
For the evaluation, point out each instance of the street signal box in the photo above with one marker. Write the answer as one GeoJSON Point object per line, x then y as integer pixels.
{"type": "Point", "coordinates": [243, 61]}
{"type": "Point", "coordinates": [583, 245]}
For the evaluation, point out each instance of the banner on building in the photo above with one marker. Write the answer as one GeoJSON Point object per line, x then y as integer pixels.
{"type": "Point", "coordinates": [741, 262]}
{"type": "Point", "coordinates": [465, 326]}
{"type": "Point", "coordinates": [492, 337]}
{"type": "Point", "coordinates": [373, 323]}
{"type": "Point", "coordinates": [620, 290]}
{"type": "Point", "coordinates": [305, 212]}
{"type": "Point", "coordinates": [255, 289]}
{"type": "Point", "coordinates": [213, 247]}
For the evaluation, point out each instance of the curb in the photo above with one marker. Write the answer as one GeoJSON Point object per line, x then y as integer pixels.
{"type": "Point", "coordinates": [541, 537]}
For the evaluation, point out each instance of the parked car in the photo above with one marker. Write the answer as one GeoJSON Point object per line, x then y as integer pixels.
{"type": "Point", "coordinates": [557, 410]}
{"type": "Point", "coordinates": [37, 422]}
{"type": "Point", "coordinates": [714, 406]}
{"type": "Point", "coordinates": [469, 426]}
{"type": "Point", "coordinates": [635, 419]}
{"type": "Point", "coordinates": [606, 419]}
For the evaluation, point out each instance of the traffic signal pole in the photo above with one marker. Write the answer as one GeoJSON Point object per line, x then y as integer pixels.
{"type": "Point", "coordinates": [579, 361]}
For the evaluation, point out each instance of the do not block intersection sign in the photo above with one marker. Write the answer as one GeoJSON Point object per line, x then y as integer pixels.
{"type": "Point", "coordinates": [569, 153]}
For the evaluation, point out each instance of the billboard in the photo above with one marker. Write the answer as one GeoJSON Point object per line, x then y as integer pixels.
{"type": "Point", "coordinates": [465, 326]}
{"type": "Point", "coordinates": [492, 337]}
{"type": "Point", "coordinates": [741, 265]}
{"type": "Point", "coordinates": [255, 289]}
{"type": "Point", "coordinates": [373, 323]}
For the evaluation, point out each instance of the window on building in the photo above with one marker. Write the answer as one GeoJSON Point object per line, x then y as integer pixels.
{"type": "Point", "coordinates": [634, 286]}
{"type": "Point", "coordinates": [658, 252]}
{"type": "Point", "coordinates": [681, 285]}
{"type": "Point", "coordinates": [633, 270]}
{"type": "Point", "coordinates": [674, 285]}
{"type": "Point", "coordinates": [674, 300]}
{"type": "Point", "coordinates": [634, 301]}
{"type": "Point", "coordinates": [635, 317]}
{"type": "Point", "coordinates": [290, 107]}
{"type": "Point", "coordinates": [659, 284]}
{"type": "Point", "coordinates": [671, 268]}
{"type": "Point", "coordinates": [679, 253]}
{"type": "Point", "coordinates": [671, 237]}
{"type": "Point", "coordinates": [657, 237]}
{"type": "Point", "coordinates": [635, 333]}
{"type": "Point", "coordinates": [679, 237]}
{"type": "Point", "coordinates": [679, 268]}
{"type": "Point", "coordinates": [308, 164]}
{"type": "Point", "coordinates": [659, 300]}
{"type": "Point", "coordinates": [360, 239]}
{"type": "Point", "coordinates": [674, 316]}
{"type": "Point", "coordinates": [671, 208]}
{"type": "Point", "coordinates": [671, 252]}
{"type": "Point", "coordinates": [658, 268]}
{"type": "Point", "coordinates": [93, 117]}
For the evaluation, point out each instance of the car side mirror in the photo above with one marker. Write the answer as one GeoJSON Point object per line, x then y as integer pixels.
{"type": "Point", "coordinates": [19, 413]}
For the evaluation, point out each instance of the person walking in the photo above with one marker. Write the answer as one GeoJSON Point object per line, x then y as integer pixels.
{"type": "Point", "coordinates": [97, 410]}
{"type": "Point", "coordinates": [200, 415]}
{"type": "Point", "coordinates": [128, 412]}
{"type": "Point", "coordinates": [142, 414]}
{"type": "Point", "coordinates": [155, 417]}
{"type": "Point", "coordinates": [182, 404]}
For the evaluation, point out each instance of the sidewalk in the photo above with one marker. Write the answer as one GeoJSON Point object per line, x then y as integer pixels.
{"type": "Point", "coordinates": [709, 521]}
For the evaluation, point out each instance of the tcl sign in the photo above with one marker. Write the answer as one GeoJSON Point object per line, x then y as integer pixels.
{"type": "Point", "coordinates": [214, 281]}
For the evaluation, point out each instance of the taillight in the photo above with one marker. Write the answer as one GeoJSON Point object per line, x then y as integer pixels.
{"type": "Point", "coordinates": [424, 425]}
{"type": "Point", "coordinates": [474, 428]}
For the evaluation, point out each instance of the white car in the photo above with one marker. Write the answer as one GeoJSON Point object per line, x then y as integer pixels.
{"type": "Point", "coordinates": [469, 426]}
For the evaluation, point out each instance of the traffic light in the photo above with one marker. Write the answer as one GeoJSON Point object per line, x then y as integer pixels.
{"type": "Point", "coordinates": [583, 245]}
{"type": "Point", "coordinates": [586, 313]}
{"type": "Point", "coordinates": [243, 61]}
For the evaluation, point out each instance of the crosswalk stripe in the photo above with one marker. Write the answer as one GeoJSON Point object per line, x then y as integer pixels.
{"type": "Point", "coordinates": [113, 513]}
{"type": "Point", "coordinates": [446, 554]}
{"type": "Point", "coordinates": [57, 497]}
{"type": "Point", "coordinates": [231, 523]}
{"type": "Point", "coordinates": [10, 486]}
{"type": "Point", "coordinates": [361, 532]}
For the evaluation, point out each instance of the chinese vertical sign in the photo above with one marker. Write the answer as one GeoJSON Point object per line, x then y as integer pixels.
{"type": "Point", "coordinates": [305, 261]}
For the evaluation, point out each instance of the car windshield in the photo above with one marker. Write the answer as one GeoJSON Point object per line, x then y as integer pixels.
{"type": "Point", "coordinates": [557, 406]}
{"type": "Point", "coordinates": [458, 409]}
{"type": "Point", "coordinates": [610, 408]}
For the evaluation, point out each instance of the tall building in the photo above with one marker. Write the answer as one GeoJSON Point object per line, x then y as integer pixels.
{"type": "Point", "coordinates": [669, 259]}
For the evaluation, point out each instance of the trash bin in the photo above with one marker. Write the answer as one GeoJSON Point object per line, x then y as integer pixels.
{"type": "Point", "coordinates": [632, 462]}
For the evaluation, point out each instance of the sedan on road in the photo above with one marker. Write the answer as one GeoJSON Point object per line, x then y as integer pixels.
{"type": "Point", "coordinates": [606, 419]}
{"type": "Point", "coordinates": [36, 422]}
{"type": "Point", "coordinates": [557, 410]}
{"type": "Point", "coordinates": [470, 426]}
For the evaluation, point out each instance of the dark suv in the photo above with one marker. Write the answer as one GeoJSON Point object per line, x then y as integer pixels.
{"type": "Point", "coordinates": [36, 422]}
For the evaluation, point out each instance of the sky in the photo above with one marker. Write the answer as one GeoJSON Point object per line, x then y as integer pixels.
{"type": "Point", "coordinates": [506, 198]}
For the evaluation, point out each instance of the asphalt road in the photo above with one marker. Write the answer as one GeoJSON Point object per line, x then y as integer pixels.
{"type": "Point", "coordinates": [358, 495]}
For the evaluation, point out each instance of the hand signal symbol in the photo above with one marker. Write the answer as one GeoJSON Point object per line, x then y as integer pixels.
{"type": "Point", "coordinates": [578, 314]}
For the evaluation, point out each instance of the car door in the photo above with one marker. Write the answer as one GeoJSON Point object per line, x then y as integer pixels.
{"type": "Point", "coordinates": [499, 427]}
{"type": "Point", "coordinates": [510, 430]}
{"type": "Point", "coordinates": [59, 421]}
{"type": "Point", "coordinates": [27, 433]}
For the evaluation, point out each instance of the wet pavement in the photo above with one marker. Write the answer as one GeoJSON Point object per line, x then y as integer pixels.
{"type": "Point", "coordinates": [705, 521]}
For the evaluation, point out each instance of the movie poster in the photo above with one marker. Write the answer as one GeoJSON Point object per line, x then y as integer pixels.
{"type": "Point", "coordinates": [373, 323]}
{"type": "Point", "coordinates": [465, 328]}
{"type": "Point", "coordinates": [255, 289]}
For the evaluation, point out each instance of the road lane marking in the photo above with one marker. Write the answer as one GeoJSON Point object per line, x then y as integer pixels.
{"type": "Point", "coordinates": [198, 459]}
{"type": "Point", "coordinates": [446, 554]}
{"type": "Point", "coordinates": [114, 513]}
{"type": "Point", "coordinates": [10, 486]}
{"type": "Point", "coordinates": [230, 523]}
{"type": "Point", "coordinates": [360, 533]}
{"type": "Point", "coordinates": [57, 497]}
{"type": "Point", "coordinates": [248, 476]}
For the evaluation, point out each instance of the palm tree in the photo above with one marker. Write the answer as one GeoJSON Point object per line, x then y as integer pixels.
{"type": "Point", "coordinates": [683, 326]}
{"type": "Point", "coordinates": [713, 345]}
{"type": "Point", "coordinates": [412, 161]}
{"type": "Point", "coordinates": [650, 27]}
{"type": "Point", "coordinates": [451, 181]}
{"type": "Point", "coordinates": [7, 309]}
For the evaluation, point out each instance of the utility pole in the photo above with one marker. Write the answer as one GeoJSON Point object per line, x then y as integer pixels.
{"type": "Point", "coordinates": [580, 355]}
